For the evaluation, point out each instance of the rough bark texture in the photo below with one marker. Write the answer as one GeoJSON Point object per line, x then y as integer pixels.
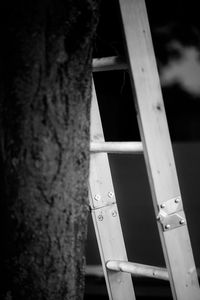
{"type": "Point", "coordinates": [44, 132]}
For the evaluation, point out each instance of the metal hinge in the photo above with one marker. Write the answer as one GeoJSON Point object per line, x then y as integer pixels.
{"type": "Point", "coordinates": [99, 201]}
{"type": "Point", "coordinates": [171, 214]}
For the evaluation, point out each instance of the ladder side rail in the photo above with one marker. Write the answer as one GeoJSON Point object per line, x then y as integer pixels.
{"type": "Point", "coordinates": [105, 214]}
{"type": "Point", "coordinates": [158, 151]}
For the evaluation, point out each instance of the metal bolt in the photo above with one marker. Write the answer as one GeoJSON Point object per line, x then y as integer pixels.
{"type": "Point", "coordinates": [167, 226]}
{"type": "Point", "coordinates": [110, 194]}
{"type": "Point", "coordinates": [182, 221]}
{"type": "Point", "coordinates": [158, 218]}
{"type": "Point", "coordinates": [162, 205]}
{"type": "Point", "coordinates": [114, 213]}
{"type": "Point", "coordinates": [100, 217]}
{"type": "Point", "coordinates": [97, 197]}
{"type": "Point", "coordinates": [177, 200]}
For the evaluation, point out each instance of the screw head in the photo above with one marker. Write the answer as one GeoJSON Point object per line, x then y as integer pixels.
{"type": "Point", "coordinates": [110, 194]}
{"type": "Point", "coordinates": [182, 221]}
{"type": "Point", "coordinates": [162, 205]}
{"type": "Point", "coordinates": [177, 200]}
{"type": "Point", "coordinates": [114, 213]}
{"type": "Point", "coordinates": [167, 226]}
{"type": "Point", "coordinates": [158, 218]}
{"type": "Point", "coordinates": [97, 197]}
{"type": "Point", "coordinates": [100, 217]}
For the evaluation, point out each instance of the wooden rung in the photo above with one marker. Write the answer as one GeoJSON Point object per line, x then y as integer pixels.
{"type": "Point", "coordinates": [94, 270]}
{"type": "Point", "coordinates": [138, 269]}
{"type": "Point", "coordinates": [97, 271]}
{"type": "Point", "coordinates": [109, 64]}
{"type": "Point", "coordinates": [116, 147]}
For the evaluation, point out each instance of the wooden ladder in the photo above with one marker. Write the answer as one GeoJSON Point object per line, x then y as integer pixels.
{"type": "Point", "coordinates": [157, 149]}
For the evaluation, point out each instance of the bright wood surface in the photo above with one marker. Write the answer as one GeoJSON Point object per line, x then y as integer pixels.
{"type": "Point", "coordinates": [109, 64]}
{"type": "Point", "coordinates": [117, 147]}
{"type": "Point", "coordinates": [105, 214]}
{"type": "Point", "coordinates": [97, 270]}
{"type": "Point", "coordinates": [138, 269]}
{"type": "Point", "coordinates": [157, 146]}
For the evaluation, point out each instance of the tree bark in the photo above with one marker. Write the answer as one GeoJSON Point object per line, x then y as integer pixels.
{"type": "Point", "coordinates": [45, 91]}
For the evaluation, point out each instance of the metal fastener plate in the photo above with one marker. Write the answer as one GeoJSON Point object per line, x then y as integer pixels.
{"type": "Point", "coordinates": [171, 214]}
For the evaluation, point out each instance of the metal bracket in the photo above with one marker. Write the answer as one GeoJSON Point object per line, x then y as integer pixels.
{"type": "Point", "coordinates": [98, 200]}
{"type": "Point", "coordinates": [171, 214]}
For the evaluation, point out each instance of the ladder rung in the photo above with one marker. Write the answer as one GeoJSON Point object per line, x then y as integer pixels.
{"type": "Point", "coordinates": [94, 270]}
{"type": "Point", "coordinates": [97, 271]}
{"type": "Point", "coordinates": [116, 147]}
{"type": "Point", "coordinates": [109, 64]}
{"type": "Point", "coordinates": [138, 269]}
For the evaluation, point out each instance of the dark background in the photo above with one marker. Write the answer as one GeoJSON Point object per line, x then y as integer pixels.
{"type": "Point", "coordinates": [175, 32]}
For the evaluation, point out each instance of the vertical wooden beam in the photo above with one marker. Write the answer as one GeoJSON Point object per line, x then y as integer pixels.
{"type": "Point", "coordinates": [105, 214]}
{"type": "Point", "coordinates": [158, 150]}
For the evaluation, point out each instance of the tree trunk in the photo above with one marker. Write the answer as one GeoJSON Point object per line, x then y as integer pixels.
{"type": "Point", "coordinates": [45, 90]}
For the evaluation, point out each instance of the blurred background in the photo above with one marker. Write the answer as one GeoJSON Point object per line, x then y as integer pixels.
{"type": "Point", "coordinates": [175, 28]}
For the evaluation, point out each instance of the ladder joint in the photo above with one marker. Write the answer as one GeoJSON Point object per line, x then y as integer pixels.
{"type": "Point", "coordinates": [102, 199]}
{"type": "Point", "coordinates": [105, 205]}
{"type": "Point", "coordinates": [171, 214]}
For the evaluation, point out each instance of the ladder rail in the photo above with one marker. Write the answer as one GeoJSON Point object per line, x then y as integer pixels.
{"type": "Point", "coordinates": [161, 169]}
{"type": "Point", "coordinates": [158, 151]}
{"type": "Point", "coordinates": [105, 214]}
